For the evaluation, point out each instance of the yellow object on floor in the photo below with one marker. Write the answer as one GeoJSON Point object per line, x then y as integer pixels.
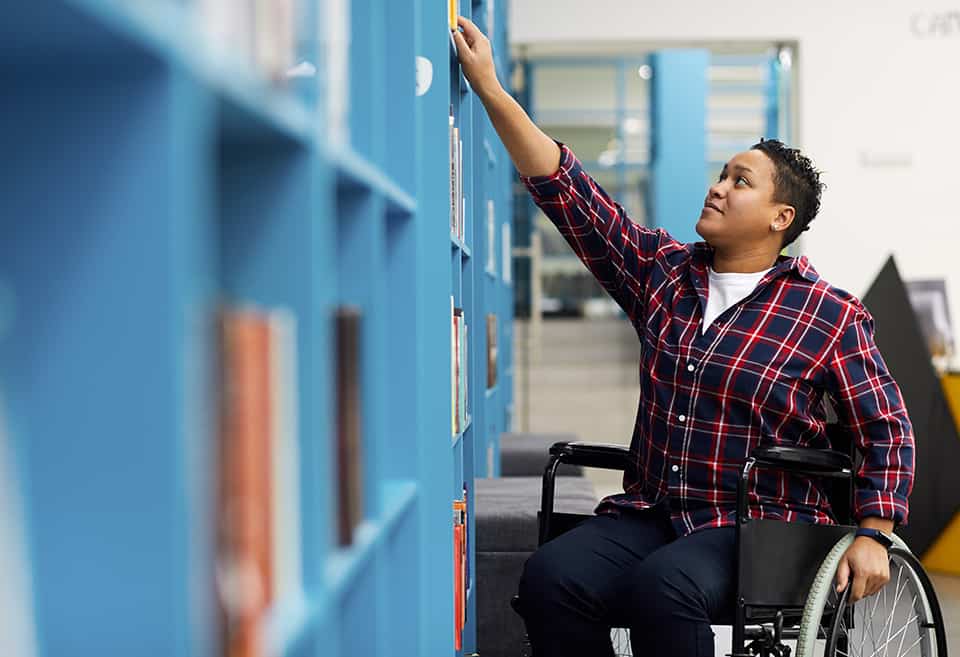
{"type": "Point", "coordinates": [951, 389]}
{"type": "Point", "coordinates": [944, 555]}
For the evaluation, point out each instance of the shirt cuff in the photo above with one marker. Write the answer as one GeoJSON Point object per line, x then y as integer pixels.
{"type": "Point", "coordinates": [881, 504]}
{"type": "Point", "coordinates": [560, 180]}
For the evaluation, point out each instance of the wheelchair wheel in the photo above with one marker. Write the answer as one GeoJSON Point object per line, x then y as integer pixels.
{"type": "Point", "coordinates": [903, 619]}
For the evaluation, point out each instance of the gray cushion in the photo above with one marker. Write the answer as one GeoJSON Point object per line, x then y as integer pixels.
{"type": "Point", "coordinates": [526, 454]}
{"type": "Point", "coordinates": [506, 527]}
{"type": "Point", "coordinates": [506, 509]}
{"type": "Point", "coordinates": [500, 630]}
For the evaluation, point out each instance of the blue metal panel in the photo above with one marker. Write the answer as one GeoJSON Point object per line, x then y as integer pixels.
{"type": "Point", "coordinates": [94, 360]}
{"type": "Point", "coordinates": [678, 126]}
{"type": "Point", "coordinates": [434, 275]}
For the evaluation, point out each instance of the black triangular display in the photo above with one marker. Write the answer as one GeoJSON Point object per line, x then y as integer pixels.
{"type": "Point", "coordinates": [936, 490]}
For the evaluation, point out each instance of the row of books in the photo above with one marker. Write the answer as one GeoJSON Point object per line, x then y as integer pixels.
{"type": "Point", "coordinates": [258, 496]}
{"type": "Point", "coordinates": [458, 204]}
{"type": "Point", "coordinates": [458, 369]}
{"type": "Point", "coordinates": [461, 568]}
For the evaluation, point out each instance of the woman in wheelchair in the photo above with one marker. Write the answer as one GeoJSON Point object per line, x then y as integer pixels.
{"type": "Point", "coordinates": [741, 347]}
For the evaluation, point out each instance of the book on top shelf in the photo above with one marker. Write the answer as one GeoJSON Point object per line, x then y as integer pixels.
{"type": "Point", "coordinates": [274, 38]}
{"type": "Point", "coordinates": [335, 45]}
{"type": "Point", "coordinates": [454, 176]}
{"type": "Point", "coordinates": [349, 448]}
{"type": "Point", "coordinates": [453, 11]}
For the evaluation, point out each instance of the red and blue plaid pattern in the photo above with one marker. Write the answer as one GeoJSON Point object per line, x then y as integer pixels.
{"type": "Point", "coordinates": [757, 377]}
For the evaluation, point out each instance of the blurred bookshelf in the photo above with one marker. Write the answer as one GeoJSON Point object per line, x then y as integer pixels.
{"type": "Point", "coordinates": [228, 362]}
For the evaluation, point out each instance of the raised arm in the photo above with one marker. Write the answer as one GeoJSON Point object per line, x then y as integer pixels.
{"type": "Point", "coordinates": [619, 253]}
{"type": "Point", "coordinates": [532, 151]}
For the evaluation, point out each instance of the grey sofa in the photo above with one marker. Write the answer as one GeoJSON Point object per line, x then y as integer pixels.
{"type": "Point", "coordinates": [506, 529]}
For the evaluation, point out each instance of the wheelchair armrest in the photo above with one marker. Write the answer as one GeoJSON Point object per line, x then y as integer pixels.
{"type": "Point", "coordinates": [823, 462]}
{"type": "Point", "coordinates": [592, 455]}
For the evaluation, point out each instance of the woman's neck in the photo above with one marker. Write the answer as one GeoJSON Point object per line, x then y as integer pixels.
{"type": "Point", "coordinates": [743, 263]}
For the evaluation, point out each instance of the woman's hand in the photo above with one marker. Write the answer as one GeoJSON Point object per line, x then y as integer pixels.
{"type": "Point", "coordinates": [476, 57]}
{"type": "Point", "coordinates": [870, 565]}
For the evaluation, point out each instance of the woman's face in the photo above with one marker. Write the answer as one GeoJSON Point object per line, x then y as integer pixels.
{"type": "Point", "coordinates": [739, 209]}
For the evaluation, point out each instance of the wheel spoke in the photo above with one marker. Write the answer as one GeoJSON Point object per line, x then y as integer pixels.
{"type": "Point", "coordinates": [893, 607]}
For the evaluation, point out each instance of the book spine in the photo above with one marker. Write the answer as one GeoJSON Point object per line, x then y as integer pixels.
{"type": "Point", "coordinates": [453, 176]}
{"type": "Point", "coordinates": [287, 568]}
{"type": "Point", "coordinates": [349, 430]}
{"type": "Point", "coordinates": [244, 541]}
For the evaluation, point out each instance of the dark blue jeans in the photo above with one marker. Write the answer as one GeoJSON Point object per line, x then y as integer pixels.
{"type": "Point", "coordinates": [629, 571]}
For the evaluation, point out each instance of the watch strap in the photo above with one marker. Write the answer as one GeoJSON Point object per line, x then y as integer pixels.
{"type": "Point", "coordinates": [877, 535]}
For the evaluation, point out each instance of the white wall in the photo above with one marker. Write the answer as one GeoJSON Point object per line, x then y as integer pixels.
{"type": "Point", "coordinates": [870, 91]}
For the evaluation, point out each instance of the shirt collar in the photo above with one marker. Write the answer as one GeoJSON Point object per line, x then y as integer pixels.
{"type": "Point", "coordinates": [799, 266]}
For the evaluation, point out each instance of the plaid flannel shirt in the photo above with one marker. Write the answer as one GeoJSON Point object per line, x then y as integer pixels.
{"type": "Point", "coordinates": [757, 377]}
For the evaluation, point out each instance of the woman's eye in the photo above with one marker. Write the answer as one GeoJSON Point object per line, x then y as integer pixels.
{"type": "Point", "coordinates": [741, 179]}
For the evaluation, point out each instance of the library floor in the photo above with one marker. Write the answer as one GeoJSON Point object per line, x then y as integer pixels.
{"type": "Point", "coordinates": [552, 397]}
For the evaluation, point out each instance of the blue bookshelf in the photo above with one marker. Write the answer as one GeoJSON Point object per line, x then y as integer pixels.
{"type": "Point", "coordinates": [156, 179]}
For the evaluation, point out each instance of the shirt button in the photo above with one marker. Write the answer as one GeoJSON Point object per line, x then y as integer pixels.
{"type": "Point", "coordinates": [676, 468]}
{"type": "Point", "coordinates": [690, 367]}
{"type": "Point", "coordinates": [682, 418]}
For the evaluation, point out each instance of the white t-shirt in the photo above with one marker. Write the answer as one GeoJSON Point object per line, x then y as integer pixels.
{"type": "Point", "coordinates": [726, 290]}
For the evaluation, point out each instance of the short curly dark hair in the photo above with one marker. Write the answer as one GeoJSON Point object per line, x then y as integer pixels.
{"type": "Point", "coordinates": [796, 182]}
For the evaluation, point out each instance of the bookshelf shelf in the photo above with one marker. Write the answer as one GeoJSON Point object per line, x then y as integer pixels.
{"type": "Point", "coordinates": [356, 171]}
{"type": "Point", "coordinates": [230, 265]}
{"type": "Point", "coordinates": [344, 566]}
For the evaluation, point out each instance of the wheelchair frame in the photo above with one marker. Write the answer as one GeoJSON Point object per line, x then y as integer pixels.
{"type": "Point", "coordinates": [767, 609]}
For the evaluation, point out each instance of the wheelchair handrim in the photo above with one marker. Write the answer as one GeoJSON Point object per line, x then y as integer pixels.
{"type": "Point", "coordinates": [907, 576]}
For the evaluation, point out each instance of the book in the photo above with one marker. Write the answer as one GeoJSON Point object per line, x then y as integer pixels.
{"type": "Point", "coordinates": [458, 592]}
{"type": "Point", "coordinates": [453, 11]}
{"type": "Point", "coordinates": [287, 557]}
{"type": "Point", "coordinates": [458, 371]}
{"type": "Point", "coordinates": [349, 448]}
{"type": "Point", "coordinates": [229, 28]}
{"type": "Point", "coordinates": [273, 38]}
{"type": "Point", "coordinates": [335, 46]}
{"type": "Point", "coordinates": [491, 350]}
{"type": "Point", "coordinates": [491, 238]}
{"type": "Point", "coordinates": [453, 368]}
{"type": "Point", "coordinates": [506, 260]}
{"type": "Point", "coordinates": [244, 569]}
{"type": "Point", "coordinates": [466, 544]}
{"type": "Point", "coordinates": [464, 375]}
{"type": "Point", "coordinates": [460, 581]}
{"type": "Point", "coordinates": [454, 185]}
{"type": "Point", "coordinates": [461, 201]}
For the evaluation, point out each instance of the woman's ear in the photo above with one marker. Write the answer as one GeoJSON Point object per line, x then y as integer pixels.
{"type": "Point", "coordinates": [783, 219]}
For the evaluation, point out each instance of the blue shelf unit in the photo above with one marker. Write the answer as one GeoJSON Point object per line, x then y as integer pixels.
{"type": "Point", "coordinates": [156, 179]}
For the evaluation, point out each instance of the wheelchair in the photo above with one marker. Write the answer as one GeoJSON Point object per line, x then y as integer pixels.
{"type": "Point", "coordinates": [786, 602]}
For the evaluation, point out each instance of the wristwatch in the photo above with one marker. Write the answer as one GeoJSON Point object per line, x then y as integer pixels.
{"type": "Point", "coordinates": [877, 535]}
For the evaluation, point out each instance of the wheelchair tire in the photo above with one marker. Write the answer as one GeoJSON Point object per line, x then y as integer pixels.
{"type": "Point", "coordinates": [902, 619]}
